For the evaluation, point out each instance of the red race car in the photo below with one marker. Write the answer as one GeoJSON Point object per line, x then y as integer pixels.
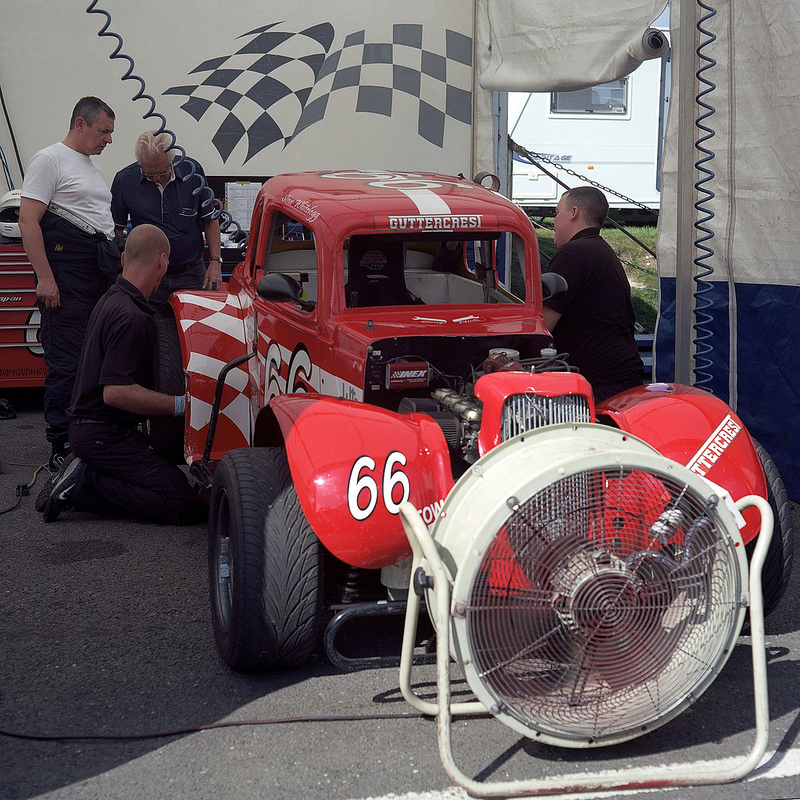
{"type": "Point", "coordinates": [382, 336]}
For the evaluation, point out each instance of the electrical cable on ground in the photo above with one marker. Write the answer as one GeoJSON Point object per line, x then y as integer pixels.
{"type": "Point", "coordinates": [67, 737]}
{"type": "Point", "coordinates": [16, 505]}
{"type": "Point", "coordinates": [23, 489]}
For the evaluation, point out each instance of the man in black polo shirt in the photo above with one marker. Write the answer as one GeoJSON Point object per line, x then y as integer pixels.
{"type": "Point", "coordinates": [114, 471]}
{"type": "Point", "coordinates": [157, 190]}
{"type": "Point", "coordinates": [593, 320]}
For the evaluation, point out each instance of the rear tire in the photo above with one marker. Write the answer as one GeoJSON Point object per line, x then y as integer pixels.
{"type": "Point", "coordinates": [265, 564]}
{"type": "Point", "coordinates": [778, 564]}
{"type": "Point", "coordinates": [166, 433]}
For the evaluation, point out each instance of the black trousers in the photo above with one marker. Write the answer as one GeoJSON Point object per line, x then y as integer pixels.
{"type": "Point", "coordinates": [186, 276]}
{"type": "Point", "coordinates": [125, 477]}
{"type": "Point", "coordinates": [83, 267]}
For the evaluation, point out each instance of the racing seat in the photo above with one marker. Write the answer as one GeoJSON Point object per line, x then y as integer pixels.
{"type": "Point", "coordinates": [375, 273]}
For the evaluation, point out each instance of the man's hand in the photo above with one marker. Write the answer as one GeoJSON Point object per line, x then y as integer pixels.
{"type": "Point", "coordinates": [551, 318]}
{"type": "Point", "coordinates": [30, 216]}
{"type": "Point", "coordinates": [47, 292]}
{"type": "Point", "coordinates": [213, 279]}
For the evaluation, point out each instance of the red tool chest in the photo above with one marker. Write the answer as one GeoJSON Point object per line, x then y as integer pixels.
{"type": "Point", "coordinates": [21, 354]}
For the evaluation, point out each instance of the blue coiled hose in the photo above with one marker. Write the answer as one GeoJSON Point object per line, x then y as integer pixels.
{"type": "Point", "coordinates": [226, 221]}
{"type": "Point", "coordinates": [703, 362]}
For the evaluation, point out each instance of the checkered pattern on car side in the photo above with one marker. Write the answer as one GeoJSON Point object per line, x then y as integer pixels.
{"type": "Point", "coordinates": [215, 332]}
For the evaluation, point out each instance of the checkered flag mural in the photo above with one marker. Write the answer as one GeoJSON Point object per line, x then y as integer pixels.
{"type": "Point", "coordinates": [280, 83]}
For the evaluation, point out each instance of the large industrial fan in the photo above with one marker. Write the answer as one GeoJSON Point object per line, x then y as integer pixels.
{"type": "Point", "coordinates": [590, 589]}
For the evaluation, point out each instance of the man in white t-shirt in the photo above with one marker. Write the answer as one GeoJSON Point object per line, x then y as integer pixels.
{"type": "Point", "coordinates": [68, 234]}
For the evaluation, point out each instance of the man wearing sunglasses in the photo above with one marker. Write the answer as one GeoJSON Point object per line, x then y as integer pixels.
{"type": "Point", "coordinates": [159, 189]}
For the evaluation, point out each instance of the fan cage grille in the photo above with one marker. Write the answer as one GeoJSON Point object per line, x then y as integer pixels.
{"type": "Point", "coordinates": [602, 603]}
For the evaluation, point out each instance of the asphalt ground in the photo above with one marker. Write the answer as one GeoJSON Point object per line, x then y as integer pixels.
{"type": "Point", "coordinates": [111, 687]}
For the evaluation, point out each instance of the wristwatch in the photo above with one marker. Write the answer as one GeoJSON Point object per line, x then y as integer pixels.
{"type": "Point", "coordinates": [215, 258]}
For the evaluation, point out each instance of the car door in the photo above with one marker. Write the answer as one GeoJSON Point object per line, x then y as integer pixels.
{"type": "Point", "coordinates": [286, 331]}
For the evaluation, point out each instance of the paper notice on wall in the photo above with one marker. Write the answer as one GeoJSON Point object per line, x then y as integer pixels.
{"type": "Point", "coordinates": [240, 198]}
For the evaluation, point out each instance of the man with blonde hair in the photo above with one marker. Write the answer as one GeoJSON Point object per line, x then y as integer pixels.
{"type": "Point", "coordinates": [113, 470]}
{"type": "Point", "coordinates": [159, 191]}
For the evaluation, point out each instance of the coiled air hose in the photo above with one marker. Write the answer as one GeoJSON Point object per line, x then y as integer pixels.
{"type": "Point", "coordinates": [226, 221]}
{"type": "Point", "coordinates": [703, 242]}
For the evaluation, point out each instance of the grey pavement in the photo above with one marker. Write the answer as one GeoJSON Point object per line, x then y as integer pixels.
{"type": "Point", "coordinates": [105, 632]}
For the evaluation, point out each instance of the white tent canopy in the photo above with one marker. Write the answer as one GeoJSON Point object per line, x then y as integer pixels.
{"type": "Point", "coordinates": [545, 46]}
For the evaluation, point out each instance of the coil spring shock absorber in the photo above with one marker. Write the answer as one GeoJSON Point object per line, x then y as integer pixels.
{"type": "Point", "coordinates": [208, 202]}
{"type": "Point", "coordinates": [350, 584]}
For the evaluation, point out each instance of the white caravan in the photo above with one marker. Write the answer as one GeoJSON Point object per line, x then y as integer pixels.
{"type": "Point", "coordinates": [609, 134]}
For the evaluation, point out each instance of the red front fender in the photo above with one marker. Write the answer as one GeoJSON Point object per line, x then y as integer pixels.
{"type": "Point", "coordinates": [212, 333]}
{"type": "Point", "coordinates": [696, 429]}
{"type": "Point", "coordinates": [354, 464]}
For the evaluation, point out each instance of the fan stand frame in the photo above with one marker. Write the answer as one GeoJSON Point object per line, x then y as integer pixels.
{"type": "Point", "coordinates": [426, 556]}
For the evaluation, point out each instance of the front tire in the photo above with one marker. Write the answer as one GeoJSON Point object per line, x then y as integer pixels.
{"type": "Point", "coordinates": [778, 564]}
{"type": "Point", "coordinates": [265, 564]}
{"type": "Point", "coordinates": [166, 433]}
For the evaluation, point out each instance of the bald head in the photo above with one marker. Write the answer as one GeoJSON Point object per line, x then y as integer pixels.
{"type": "Point", "coordinates": [145, 258]}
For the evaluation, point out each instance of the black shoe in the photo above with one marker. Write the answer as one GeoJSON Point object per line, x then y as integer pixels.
{"type": "Point", "coordinates": [63, 482]}
{"type": "Point", "coordinates": [57, 457]}
{"type": "Point", "coordinates": [59, 454]}
{"type": "Point", "coordinates": [44, 492]}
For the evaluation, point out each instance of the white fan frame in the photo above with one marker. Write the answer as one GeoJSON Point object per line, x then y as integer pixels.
{"type": "Point", "coordinates": [428, 556]}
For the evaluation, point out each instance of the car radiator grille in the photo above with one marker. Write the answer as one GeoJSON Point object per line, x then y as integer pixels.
{"type": "Point", "coordinates": [525, 412]}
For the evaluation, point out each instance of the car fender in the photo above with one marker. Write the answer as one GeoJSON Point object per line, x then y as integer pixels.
{"type": "Point", "coordinates": [696, 429]}
{"type": "Point", "coordinates": [354, 464]}
{"type": "Point", "coordinates": [212, 330]}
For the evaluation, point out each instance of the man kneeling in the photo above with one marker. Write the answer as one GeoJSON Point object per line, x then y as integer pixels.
{"type": "Point", "coordinates": [115, 472]}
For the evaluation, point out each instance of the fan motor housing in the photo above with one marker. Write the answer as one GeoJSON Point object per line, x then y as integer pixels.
{"type": "Point", "coordinates": [597, 587]}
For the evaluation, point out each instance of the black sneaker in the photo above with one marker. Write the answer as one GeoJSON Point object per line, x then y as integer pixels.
{"type": "Point", "coordinates": [44, 492]}
{"type": "Point", "coordinates": [63, 482]}
{"type": "Point", "coordinates": [57, 458]}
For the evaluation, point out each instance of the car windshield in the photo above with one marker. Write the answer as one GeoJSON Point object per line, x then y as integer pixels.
{"type": "Point", "coordinates": [448, 268]}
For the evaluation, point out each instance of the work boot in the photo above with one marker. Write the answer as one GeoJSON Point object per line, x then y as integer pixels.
{"type": "Point", "coordinates": [60, 497]}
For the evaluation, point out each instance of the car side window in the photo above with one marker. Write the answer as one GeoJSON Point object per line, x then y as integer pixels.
{"type": "Point", "coordinates": [291, 250]}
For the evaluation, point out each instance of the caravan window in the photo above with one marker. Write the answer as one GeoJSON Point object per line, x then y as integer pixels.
{"type": "Point", "coordinates": [606, 98]}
